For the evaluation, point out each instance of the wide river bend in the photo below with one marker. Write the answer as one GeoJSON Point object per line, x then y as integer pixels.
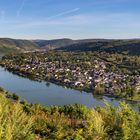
{"type": "Point", "coordinates": [42, 93]}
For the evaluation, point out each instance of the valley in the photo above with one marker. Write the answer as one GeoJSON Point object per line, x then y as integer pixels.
{"type": "Point", "coordinates": [78, 91]}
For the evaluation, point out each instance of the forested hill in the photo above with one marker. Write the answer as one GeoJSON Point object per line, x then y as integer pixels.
{"type": "Point", "coordinates": [65, 42]}
{"type": "Point", "coordinates": [109, 45]}
{"type": "Point", "coordinates": [121, 46]}
{"type": "Point", "coordinates": [11, 45]}
{"type": "Point", "coordinates": [53, 44]}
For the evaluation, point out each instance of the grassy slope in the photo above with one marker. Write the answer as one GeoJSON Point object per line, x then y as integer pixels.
{"type": "Point", "coordinates": [11, 45]}
{"type": "Point", "coordinates": [15, 124]}
{"type": "Point", "coordinates": [68, 122]}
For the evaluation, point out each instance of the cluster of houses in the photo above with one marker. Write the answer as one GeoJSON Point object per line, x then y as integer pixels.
{"type": "Point", "coordinates": [74, 75]}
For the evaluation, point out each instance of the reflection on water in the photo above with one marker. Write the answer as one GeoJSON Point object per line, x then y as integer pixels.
{"type": "Point", "coordinates": [48, 93]}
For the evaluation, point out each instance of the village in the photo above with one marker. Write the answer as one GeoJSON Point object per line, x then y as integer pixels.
{"type": "Point", "coordinates": [90, 76]}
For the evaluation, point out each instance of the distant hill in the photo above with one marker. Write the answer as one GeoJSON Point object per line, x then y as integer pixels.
{"type": "Point", "coordinates": [121, 46]}
{"type": "Point", "coordinates": [59, 43]}
{"type": "Point", "coordinates": [11, 45]}
{"type": "Point", "coordinates": [53, 44]}
{"type": "Point", "coordinates": [129, 46]}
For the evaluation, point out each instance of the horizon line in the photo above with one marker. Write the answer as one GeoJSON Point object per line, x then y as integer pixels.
{"type": "Point", "coordinates": [135, 38]}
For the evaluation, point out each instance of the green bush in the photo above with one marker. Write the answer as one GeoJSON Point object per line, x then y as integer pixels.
{"type": "Point", "coordinates": [70, 122]}
{"type": "Point", "coordinates": [14, 123]}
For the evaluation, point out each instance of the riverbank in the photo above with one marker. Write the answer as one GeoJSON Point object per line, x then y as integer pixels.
{"type": "Point", "coordinates": [69, 87]}
{"type": "Point", "coordinates": [33, 121]}
{"type": "Point", "coordinates": [81, 71]}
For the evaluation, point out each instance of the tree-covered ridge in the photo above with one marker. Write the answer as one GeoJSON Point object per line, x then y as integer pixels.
{"type": "Point", "coordinates": [74, 122]}
{"type": "Point", "coordinates": [102, 73]}
{"type": "Point", "coordinates": [52, 44]}
{"type": "Point", "coordinates": [109, 45]}
{"type": "Point", "coordinates": [131, 46]}
{"type": "Point", "coordinates": [120, 46]}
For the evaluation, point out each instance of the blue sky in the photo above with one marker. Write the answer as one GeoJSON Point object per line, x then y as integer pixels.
{"type": "Point", "coordinates": [76, 19]}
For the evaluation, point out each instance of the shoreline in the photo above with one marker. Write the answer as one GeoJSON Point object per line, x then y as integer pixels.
{"type": "Point", "coordinates": [29, 76]}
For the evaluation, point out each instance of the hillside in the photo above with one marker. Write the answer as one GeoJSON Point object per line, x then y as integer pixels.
{"type": "Point", "coordinates": [11, 45]}
{"type": "Point", "coordinates": [131, 47]}
{"type": "Point", "coordinates": [52, 44]}
{"type": "Point", "coordinates": [58, 43]}
{"type": "Point", "coordinates": [72, 122]}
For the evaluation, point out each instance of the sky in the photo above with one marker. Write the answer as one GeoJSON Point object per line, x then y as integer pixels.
{"type": "Point", "coordinates": [76, 19]}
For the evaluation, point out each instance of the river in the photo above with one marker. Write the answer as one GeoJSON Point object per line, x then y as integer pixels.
{"type": "Point", "coordinates": [49, 94]}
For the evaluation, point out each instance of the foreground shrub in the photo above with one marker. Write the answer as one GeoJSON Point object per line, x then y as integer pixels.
{"type": "Point", "coordinates": [14, 123]}
{"type": "Point", "coordinates": [70, 122]}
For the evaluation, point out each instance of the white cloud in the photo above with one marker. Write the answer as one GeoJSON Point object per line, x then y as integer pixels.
{"type": "Point", "coordinates": [112, 20]}
{"type": "Point", "coordinates": [64, 13]}
{"type": "Point", "coordinates": [98, 25]}
{"type": "Point", "coordinates": [21, 8]}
